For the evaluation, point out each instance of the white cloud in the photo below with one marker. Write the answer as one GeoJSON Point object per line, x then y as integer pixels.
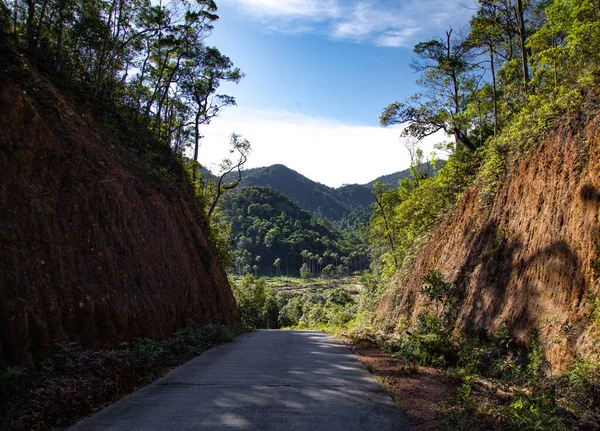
{"type": "Point", "coordinates": [315, 10]}
{"type": "Point", "coordinates": [395, 38]}
{"type": "Point", "coordinates": [324, 150]}
{"type": "Point", "coordinates": [391, 23]}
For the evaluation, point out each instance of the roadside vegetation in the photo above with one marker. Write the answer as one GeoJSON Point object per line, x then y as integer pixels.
{"type": "Point", "coordinates": [307, 306]}
{"type": "Point", "coordinates": [502, 384]}
{"type": "Point", "coordinates": [495, 382]}
{"type": "Point", "coordinates": [76, 382]}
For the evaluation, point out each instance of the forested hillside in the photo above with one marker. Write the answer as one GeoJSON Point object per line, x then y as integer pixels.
{"type": "Point", "coordinates": [393, 179]}
{"type": "Point", "coordinates": [348, 202]}
{"type": "Point", "coordinates": [271, 235]}
{"type": "Point", "coordinates": [321, 200]}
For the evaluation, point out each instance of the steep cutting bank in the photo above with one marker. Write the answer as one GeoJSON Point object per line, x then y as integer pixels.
{"type": "Point", "coordinates": [532, 257]}
{"type": "Point", "coordinates": [94, 249]}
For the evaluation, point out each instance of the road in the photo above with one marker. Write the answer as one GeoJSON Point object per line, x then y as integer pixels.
{"type": "Point", "coordinates": [264, 380]}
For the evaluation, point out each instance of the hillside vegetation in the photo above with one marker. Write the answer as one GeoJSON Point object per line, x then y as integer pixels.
{"type": "Point", "coordinates": [511, 219]}
{"type": "Point", "coordinates": [271, 235]}
{"type": "Point", "coordinates": [319, 199]}
{"type": "Point", "coordinates": [343, 204]}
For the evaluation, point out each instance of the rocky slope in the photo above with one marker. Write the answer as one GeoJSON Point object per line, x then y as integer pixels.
{"type": "Point", "coordinates": [94, 249]}
{"type": "Point", "coordinates": [532, 258]}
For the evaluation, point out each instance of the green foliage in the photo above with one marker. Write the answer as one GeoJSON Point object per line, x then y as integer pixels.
{"type": "Point", "coordinates": [405, 215]}
{"type": "Point", "coordinates": [535, 411]}
{"type": "Point", "coordinates": [320, 200]}
{"type": "Point", "coordinates": [257, 302]}
{"type": "Point", "coordinates": [266, 223]}
{"type": "Point", "coordinates": [329, 272]}
{"type": "Point", "coordinates": [595, 314]}
{"type": "Point", "coordinates": [465, 391]}
{"type": "Point", "coordinates": [584, 385]}
{"type": "Point", "coordinates": [264, 307]}
{"type": "Point", "coordinates": [64, 355]}
{"type": "Point", "coordinates": [372, 289]}
{"type": "Point", "coordinates": [78, 382]}
{"type": "Point", "coordinates": [498, 91]}
{"type": "Point", "coordinates": [437, 290]}
{"type": "Point", "coordinates": [536, 359]}
{"type": "Point", "coordinates": [11, 376]}
{"type": "Point", "coordinates": [150, 59]}
{"type": "Point", "coordinates": [145, 72]}
{"type": "Point", "coordinates": [305, 272]}
{"type": "Point", "coordinates": [333, 307]}
{"type": "Point", "coordinates": [220, 232]}
{"type": "Point", "coordinates": [148, 349]}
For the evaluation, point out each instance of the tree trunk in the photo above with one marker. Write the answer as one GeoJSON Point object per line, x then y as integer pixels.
{"type": "Point", "coordinates": [464, 139]}
{"type": "Point", "coordinates": [59, 41]}
{"type": "Point", "coordinates": [522, 37]}
{"type": "Point", "coordinates": [196, 142]}
{"type": "Point", "coordinates": [30, 23]}
{"type": "Point", "coordinates": [15, 21]}
{"type": "Point", "coordinates": [494, 91]}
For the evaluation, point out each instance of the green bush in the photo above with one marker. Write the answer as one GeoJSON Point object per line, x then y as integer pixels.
{"type": "Point", "coordinates": [257, 303]}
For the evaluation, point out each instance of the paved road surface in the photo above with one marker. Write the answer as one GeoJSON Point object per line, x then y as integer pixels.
{"type": "Point", "coordinates": [265, 380]}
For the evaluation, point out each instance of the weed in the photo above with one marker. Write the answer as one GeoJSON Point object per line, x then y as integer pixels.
{"type": "Point", "coordinates": [87, 380]}
{"type": "Point", "coordinates": [595, 314]}
{"type": "Point", "coordinates": [465, 391]}
{"type": "Point", "coordinates": [537, 363]}
{"type": "Point", "coordinates": [438, 291]}
{"type": "Point", "coordinates": [535, 411]}
{"type": "Point", "coordinates": [584, 385]}
{"type": "Point", "coordinates": [63, 358]}
{"type": "Point", "coordinates": [147, 349]}
{"type": "Point", "coordinates": [11, 377]}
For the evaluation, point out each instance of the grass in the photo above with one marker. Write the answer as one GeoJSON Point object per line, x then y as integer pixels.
{"type": "Point", "coordinates": [297, 283]}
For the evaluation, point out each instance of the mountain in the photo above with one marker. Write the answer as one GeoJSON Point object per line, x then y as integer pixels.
{"type": "Point", "coordinates": [392, 179]}
{"type": "Point", "coordinates": [266, 226]}
{"type": "Point", "coordinates": [321, 200]}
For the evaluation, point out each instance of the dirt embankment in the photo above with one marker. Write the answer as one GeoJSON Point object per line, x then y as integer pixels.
{"type": "Point", "coordinates": [92, 249]}
{"type": "Point", "coordinates": [534, 257]}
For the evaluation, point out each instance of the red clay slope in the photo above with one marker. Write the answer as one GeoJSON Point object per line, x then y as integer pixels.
{"type": "Point", "coordinates": [534, 257]}
{"type": "Point", "coordinates": [92, 250]}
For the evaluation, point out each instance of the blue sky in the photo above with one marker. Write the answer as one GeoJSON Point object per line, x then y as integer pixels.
{"type": "Point", "coordinates": [318, 75]}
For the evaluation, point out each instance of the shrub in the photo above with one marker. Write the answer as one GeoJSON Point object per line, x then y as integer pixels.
{"type": "Point", "coordinates": [257, 303]}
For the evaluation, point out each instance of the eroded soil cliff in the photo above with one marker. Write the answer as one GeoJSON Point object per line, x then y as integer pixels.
{"type": "Point", "coordinates": [93, 249]}
{"type": "Point", "coordinates": [532, 258]}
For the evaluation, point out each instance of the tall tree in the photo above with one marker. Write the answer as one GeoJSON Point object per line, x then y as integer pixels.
{"type": "Point", "coordinates": [206, 72]}
{"type": "Point", "coordinates": [523, 41]}
{"type": "Point", "coordinates": [445, 67]}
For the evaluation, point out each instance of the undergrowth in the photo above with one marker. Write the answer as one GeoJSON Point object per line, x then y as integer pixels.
{"type": "Point", "coordinates": [75, 382]}
{"type": "Point", "coordinates": [504, 383]}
